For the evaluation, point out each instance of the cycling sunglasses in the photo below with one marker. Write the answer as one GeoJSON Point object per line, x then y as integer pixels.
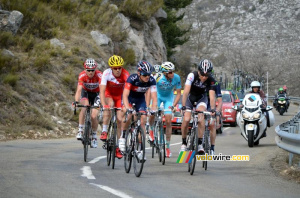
{"type": "Point", "coordinates": [145, 74]}
{"type": "Point", "coordinates": [117, 68]}
{"type": "Point", "coordinates": [203, 74]}
{"type": "Point", "coordinates": [90, 70]}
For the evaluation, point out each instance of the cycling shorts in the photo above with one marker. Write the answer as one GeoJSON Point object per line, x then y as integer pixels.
{"type": "Point", "coordinates": [167, 104]}
{"type": "Point", "coordinates": [117, 99]}
{"type": "Point", "coordinates": [203, 101]}
{"type": "Point", "coordinates": [92, 97]}
{"type": "Point", "coordinates": [140, 103]}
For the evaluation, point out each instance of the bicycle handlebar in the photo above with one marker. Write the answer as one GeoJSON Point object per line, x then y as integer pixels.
{"type": "Point", "coordinates": [85, 106]}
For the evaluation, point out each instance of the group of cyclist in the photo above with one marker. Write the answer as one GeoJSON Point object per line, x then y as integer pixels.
{"type": "Point", "coordinates": [118, 89]}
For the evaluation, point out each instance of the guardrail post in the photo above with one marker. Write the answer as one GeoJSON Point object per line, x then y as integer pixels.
{"type": "Point", "coordinates": [291, 156]}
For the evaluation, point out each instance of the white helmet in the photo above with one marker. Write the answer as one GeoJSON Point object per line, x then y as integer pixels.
{"type": "Point", "coordinates": [156, 68]}
{"type": "Point", "coordinates": [255, 84]}
{"type": "Point", "coordinates": [167, 67]}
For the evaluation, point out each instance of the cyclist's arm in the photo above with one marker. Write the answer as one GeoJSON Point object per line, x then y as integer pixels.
{"type": "Point", "coordinates": [102, 95]}
{"type": "Point", "coordinates": [125, 95]}
{"type": "Point", "coordinates": [148, 97]}
{"type": "Point", "coordinates": [177, 97]}
{"type": "Point", "coordinates": [153, 92]}
{"type": "Point", "coordinates": [78, 93]}
{"type": "Point", "coordinates": [187, 89]}
{"type": "Point", "coordinates": [212, 98]}
{"type": "Point", "coordinates": [220, 103]}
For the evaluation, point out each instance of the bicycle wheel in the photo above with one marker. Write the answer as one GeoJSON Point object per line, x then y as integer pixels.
{"type": "Point", "coordinates": [108, 145]}
{"type": "Point", "coordinates": [139, 146]}
{"type": "Point", "coordinates": [195, 148]}
{"type": "Point", "coordinates": [189, 147]}
{"type": "Point", "coordinates": [206, 146]}
{"type": "Point", "coordinates": [114, 144]}
{"type": "Point", "coordinates": [158, 140]}
{"type": "Point", "coordinates": [128, 151]}
{"type": "Point", "coordinates": [162, 145]}
{"type": "Point", "coordinates": [86, 140]}
{"type": "Point", "coordinates": [155, 141]}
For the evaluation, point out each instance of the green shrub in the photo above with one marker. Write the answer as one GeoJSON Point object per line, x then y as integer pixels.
{"type": "Point", "coordinates": [129, 57]}
{"type": "Point", "coordinates": [6, 39]}
{"type": "Point", "coordinates": [142, 9]}
{"type": "Point", "coordinates": [11, 79]}
{"type": "Point", "coordinates": [42, 63]}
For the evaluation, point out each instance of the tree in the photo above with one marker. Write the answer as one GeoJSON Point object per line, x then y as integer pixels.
{"type": "Point", "coordinates": [172, 34]}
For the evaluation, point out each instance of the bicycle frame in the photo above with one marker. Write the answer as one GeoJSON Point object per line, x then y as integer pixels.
{"type": "Point", "coordinates": [86, 140]}
{"type": "Point", "coordinates": [133, 145]}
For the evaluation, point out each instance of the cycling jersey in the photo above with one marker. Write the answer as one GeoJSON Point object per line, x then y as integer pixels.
{"type": "Point", "coordinates": [199, 90]}
{"type": "Point", "coordinates": [114, 85]}
{"type": "Point", "coordinates": [138, 90]}
{"type": "Point", "coordinates": [218, 94]}
{"type": "Point", "coordinates": [165, 90]}
{"type": "Point", "coordinates": [90, 84]}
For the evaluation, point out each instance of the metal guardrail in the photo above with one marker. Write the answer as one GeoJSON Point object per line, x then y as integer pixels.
{"type": "Point", "coordinates": [288, 134]}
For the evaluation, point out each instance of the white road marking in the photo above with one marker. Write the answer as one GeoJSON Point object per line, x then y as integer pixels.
{"type": "Point", "coordinates": [113, 191]}
{"type": "Point", "coordinates": [96, 159]}
{"type": "Point", "coordinates": [87, 172]}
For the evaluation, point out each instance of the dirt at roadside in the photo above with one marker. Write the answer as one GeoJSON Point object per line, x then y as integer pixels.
{"type": "Point", "coordinates": [282, 168]}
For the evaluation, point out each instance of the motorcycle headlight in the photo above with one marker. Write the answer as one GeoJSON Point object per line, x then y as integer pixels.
{"type": "Point", "coordinates": [228, 110]}
{"type": "Point", "coordinates": [245, 115]}
{"type": "Point", "coordinates": [256, 115]}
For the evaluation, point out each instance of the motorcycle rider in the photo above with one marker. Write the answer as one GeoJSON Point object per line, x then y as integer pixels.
{"type": "Point", "coordinates": [255, 88]}
{"type": "Point", "coordinates": [280, 93]}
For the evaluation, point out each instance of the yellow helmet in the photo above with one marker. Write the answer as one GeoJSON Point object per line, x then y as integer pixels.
{"type": "Point", "coordinates": [115, 61]}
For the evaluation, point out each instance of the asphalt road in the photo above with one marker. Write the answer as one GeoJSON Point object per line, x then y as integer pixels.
{"type": "Point", "coordinates": [55, 168]}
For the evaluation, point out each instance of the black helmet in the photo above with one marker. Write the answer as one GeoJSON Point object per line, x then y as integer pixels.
{"type": "Point", "coordinates": [205, 66]}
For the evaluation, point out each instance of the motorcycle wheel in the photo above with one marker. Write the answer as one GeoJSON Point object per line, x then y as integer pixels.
{"type": "Point", "coordinates": [281, 111]}
{"type": "Point", "coordinates": [250, 138]}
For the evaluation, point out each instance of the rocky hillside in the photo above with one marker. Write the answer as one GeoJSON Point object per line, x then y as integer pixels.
{"type": "Point", "coordinates": [254, 36]}
{"type": "Point", "coordinates": [42, 54]}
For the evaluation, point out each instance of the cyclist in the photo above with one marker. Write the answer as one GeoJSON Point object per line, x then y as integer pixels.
{"type": "Point", "coordinates": [111, 89]}
{"type": "Point", "coordinates": [156, 70]}
{"type": "Point", "coordinates": [215, 125]}
{"type": "Point", "coordinates": [135, 88]}
{"type": "Point", "coordinates": [88, 93]}
{"type": "Point", "coordinates": [198, 84]}
{"type": "Point", "coordinates": [166, 82]}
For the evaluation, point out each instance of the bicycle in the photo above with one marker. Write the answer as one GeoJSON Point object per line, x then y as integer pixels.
{"type": "Point", "coordinates": [111, 141]}
{"type": "Point", "coordinates": [206, 136]}
{"type": "Point", "coordinates": [192, 138]}
{"type": "Point", "coordinates": [133, 146]}
{"type": "Point", "coordinates": [159, 137]}
{"type": "Point", "coordinates": [86, 140]}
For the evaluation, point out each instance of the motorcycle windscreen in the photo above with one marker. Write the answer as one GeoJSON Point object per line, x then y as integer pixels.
{"type": "Point", "coordinates": [252, 100]}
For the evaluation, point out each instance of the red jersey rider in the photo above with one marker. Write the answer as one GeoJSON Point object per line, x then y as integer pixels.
{"type": "Point", "coordinates": [87, 93]}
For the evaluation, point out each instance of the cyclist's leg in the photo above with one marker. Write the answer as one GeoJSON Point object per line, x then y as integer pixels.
{"type": "Point", "coordinates": [212, 131]}
{"type": "Point", "coordinates": [185, 123]}
{"type": "Point", "coordinates": [106, 117]}
{"type": "Point", "coordinates": [83, 101]}
{"type": "Point", "coordinates": [168, 119]}
{"type": "Point", "coordinates": [201, 106]}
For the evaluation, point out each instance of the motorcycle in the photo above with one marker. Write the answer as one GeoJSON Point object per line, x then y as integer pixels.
{"type": "Point", "coordinates": [281, 105]}
{"type": "Point", "coordinates": [254, 120]}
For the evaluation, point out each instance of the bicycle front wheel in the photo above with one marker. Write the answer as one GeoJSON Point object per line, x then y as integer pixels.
{"type": "Point", "coordinates": [86, 140]}
{"type": "Point", "coordinates": [206, 147]}
{"type": "Point", "coordinates": [108, 145]}
{"type": "Point", "coordinates": [139, 154]}
{"type": "Point", "coordinates": [195, 149]}
{"type": "Point", "coordinates": [128, 151]}
{"type": "Point", "coordinates": [114, 145]}
{"type": "Point", "coordinates": [162, 146]}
